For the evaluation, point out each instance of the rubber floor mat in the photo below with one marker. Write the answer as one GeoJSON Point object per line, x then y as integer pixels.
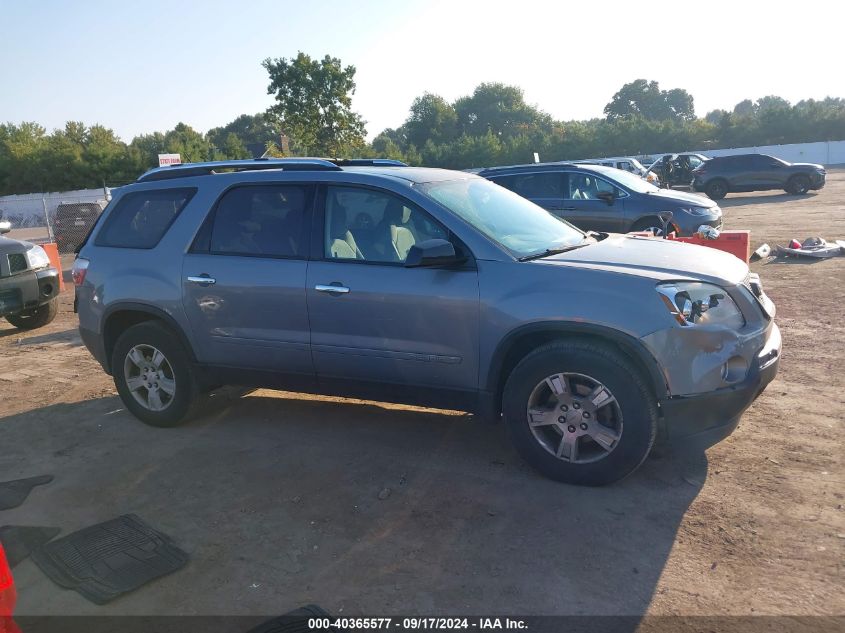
{"type": "Point", "coordinates": [109, 559]}
{"type": "Point", "coordinates": [20, 541]}
{"type": "Point", "coordinates": [293, 621]}
{"type": "Point", "coordinates": [14, 493]}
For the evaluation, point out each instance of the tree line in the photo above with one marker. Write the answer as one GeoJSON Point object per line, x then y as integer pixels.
{"type": "Point", "coordinates": [312, 116]}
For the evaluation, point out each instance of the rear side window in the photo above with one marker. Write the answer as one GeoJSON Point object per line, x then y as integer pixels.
{"type": "Point", "coordinates": [536, 185]}
{"type": "Point", "coordinates": [260, 221]}
{"type": "Point", "coordinates": [142, 218]}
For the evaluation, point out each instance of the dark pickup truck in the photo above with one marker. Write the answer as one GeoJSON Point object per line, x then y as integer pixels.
{"type": "Point", "coordinates": [29, 285]}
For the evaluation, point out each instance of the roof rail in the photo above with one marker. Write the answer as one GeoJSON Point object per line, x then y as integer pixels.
{"type": "Point", "coordinates": [367, 162]}
{"type": "Point", "coordinates": [204, 169]}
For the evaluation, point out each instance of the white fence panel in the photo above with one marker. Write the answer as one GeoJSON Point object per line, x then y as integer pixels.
{"type": "Point", "coordinates": [824, 152]}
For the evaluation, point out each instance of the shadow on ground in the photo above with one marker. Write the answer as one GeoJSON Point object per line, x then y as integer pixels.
{"type": "Point", "coordinates": [737, 200]}
{"type": "Point", "coordinates": [283, 500]}
{"type": "Point", "coordinates": [69, 336]}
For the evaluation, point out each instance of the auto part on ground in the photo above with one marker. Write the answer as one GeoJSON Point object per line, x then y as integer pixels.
{"type": "Point", "coordinates": [816, 247]}
{"type": "Point", "coordinates": [106, 560]}
{"type": "Point", "coordinates": [13, 493]}
{"type": "Point", "coordinates": [764, 251]}
{"type": "Point", "coordinates": [20, 541]}
{"type": "Point", "coordinates": [706, 232]}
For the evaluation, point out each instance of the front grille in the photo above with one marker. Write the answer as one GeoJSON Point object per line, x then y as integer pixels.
{"type": "Point", "coordinates": [17, 263]}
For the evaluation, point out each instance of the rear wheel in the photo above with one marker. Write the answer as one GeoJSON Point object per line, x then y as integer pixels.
{"type": "Point", "coordinates": [716, 189]}
{"type": "Point", "coordinates": [798, 185]}
{"type": "Point", "coordinates": [580, 413]}
{"type": "Point", "coordinates": [154, 375]}
{"type": "Point", "coordinates": [35, 317]}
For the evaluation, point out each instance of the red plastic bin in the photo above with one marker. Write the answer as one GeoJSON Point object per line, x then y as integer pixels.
{"type": "Point", "coordinates": [737, 243]}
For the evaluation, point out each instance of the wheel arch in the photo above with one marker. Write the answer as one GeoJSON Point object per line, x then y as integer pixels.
{"type": "Point", "coordinates": [520, 342]}
{"type": "Point", "coordinates": [121, 316]}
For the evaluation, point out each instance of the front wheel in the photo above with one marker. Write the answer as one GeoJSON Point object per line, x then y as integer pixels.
{"type": "Point", "coordinates": [717, 189]}
{"type": "Point", "coordinates": [154, 375]}
{"type": "Point", "coordinates": [35, 317]}
{"type": "Point", "coordinates": [580, 413]}
{"type": "Point", "coordinates": [798, 185]}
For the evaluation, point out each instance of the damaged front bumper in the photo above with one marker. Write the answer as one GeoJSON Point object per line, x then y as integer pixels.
{"type": "Point", "coordinates": [707, 418]}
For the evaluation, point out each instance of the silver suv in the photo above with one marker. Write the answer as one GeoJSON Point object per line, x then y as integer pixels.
{"type": "Point", "coordinates": [430, 287]}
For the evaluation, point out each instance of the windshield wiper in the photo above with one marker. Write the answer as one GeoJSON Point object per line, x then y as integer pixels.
{"type": "Point", "coordinates": [551, 251]}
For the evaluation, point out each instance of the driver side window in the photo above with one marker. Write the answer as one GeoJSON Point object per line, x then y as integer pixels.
{"type": "Point", "coordinates": [374, 226]}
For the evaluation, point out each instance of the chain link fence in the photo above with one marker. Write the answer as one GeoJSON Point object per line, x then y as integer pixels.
{"type": "Point", "coordinates": [63, 218]}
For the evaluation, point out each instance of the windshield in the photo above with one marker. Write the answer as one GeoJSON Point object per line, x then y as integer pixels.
{"type": "Point", "coordinates": [510, 220]}
{"type": "Point", "coordinates": [632, 182]}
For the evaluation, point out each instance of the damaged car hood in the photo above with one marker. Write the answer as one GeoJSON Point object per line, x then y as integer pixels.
{"type": "Point", "coordinates": [656, 258]}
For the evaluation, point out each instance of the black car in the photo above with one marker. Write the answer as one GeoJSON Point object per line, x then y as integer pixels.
{"type": "Point", "coordinates": [604, 199]}
{"type": "Point", "coordinates": [29, 285]}
{"type": "Point", "coordinates": [755, 172]}
{"type": "Point", "coordinates": [73, 222]}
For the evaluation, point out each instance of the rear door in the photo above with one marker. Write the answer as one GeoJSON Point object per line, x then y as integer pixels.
{"type": "Point", "coordinates": [244, 280]}
{"type": "Point", "coordinates": [373, 321]}
{"type": "Point", "coordinates": [583, 207]}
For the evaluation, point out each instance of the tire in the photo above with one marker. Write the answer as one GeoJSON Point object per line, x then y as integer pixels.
{"type": "Point", "coordinates": [604, 453]}
{"type": "Point", "coordinates": [162, 392]}
{"type": "Point", "coordinates": [35, 317]}
{"type": "Point", "coordinates": [716, 189]}
{"type": "Point", "coordinates": [798, 185]}
{"type": "Point", "coordinates": [654, 225]}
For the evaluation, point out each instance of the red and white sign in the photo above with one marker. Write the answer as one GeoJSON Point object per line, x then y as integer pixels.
{"type": "Point", "coordinates": [165, 160]}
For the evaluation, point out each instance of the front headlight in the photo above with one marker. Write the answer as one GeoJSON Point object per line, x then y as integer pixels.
{"type": "Point", "coordinates": [37, 257]}
{"type": "Point", "coordinates": [694, 303]}
{"type": "Point", "coordinates": [699, 211]}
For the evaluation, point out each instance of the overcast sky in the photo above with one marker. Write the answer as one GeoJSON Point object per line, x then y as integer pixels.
{"type": "Point", "coordinates": [138, 67]}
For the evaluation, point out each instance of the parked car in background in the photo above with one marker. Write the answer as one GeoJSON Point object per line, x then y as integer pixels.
{"type": "Point", "coordinates": [72, 222]}
{"type": "Point", "coordinates": [675, 170]}
{"type": "Point", "coordinates": [631, 165]}
{"type": "Point", "coordinates": [756, 172]}
{"type": "Point", "coordinates": [29, 285]}
{"type": "Point", "coordinates": [596, 198]}
{"type": "Point", "coordinates": [421, 286]}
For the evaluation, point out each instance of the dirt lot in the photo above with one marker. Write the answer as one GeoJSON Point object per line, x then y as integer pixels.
{"type": "Point", "coordinates": [276, 496]}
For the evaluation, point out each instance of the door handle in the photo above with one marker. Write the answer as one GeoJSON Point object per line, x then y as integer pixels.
{"type": "Point", "coordinates": [567, 208]}
{"type": "Point", "coordinates": [202, 279]}
{"type": "Point", "coordinates": [341, 290]}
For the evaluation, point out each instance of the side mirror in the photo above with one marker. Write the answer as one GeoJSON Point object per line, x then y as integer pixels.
{"type": "Point", "coordinates": [5, 227]}
{"type": "Point", "coordinates": [434, 252]}
{"type": "Point", "coordinates": [607, 196]}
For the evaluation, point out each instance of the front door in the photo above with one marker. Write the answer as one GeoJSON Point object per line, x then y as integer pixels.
{"type": "Point", "coordinates": [244, 280]}
{"type": "Point", "coordinates": [373, 320]}
{"type": "Point", "coordinates": [585, 207]}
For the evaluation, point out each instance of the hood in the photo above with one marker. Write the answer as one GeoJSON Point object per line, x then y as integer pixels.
{"type": "Point", "coordinates": [662, 260]}
{"type": "Point", "coordinates": [810, 165]}
{"type": "Point", "coordinates": [8, 245]}
{"type": "Point", "coordinates": [682, 198]}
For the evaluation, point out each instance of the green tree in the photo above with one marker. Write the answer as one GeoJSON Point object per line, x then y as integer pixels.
{"type": "Point", "coordinates": [646, 99]}
{"type": "Point", "coordinates": [251, 129]}
{"type": "Point", "coordinates": [314, 104]}
{"type": "Point", "coordinates": [495, 108]}
{"type": "Point", "coordinates": [432, 118]}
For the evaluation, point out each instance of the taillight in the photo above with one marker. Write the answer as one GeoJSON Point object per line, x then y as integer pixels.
{"type": "Point", "coordinates": [7, 589]}
{"type": "Point", "coordinates": [80, 268]}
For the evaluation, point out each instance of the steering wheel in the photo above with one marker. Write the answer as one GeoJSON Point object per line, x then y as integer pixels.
{"type": "Point", "coordinates": [363, 221]}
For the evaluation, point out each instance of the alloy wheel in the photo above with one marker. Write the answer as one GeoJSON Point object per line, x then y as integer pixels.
{"type": "Point", "coordinates": [575, 417]}
{"type": "Point", "coordinates": [149, 377]}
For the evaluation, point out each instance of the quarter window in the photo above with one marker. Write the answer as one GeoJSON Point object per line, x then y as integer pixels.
{"type": "Point", "coordinates": [142, 218]}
